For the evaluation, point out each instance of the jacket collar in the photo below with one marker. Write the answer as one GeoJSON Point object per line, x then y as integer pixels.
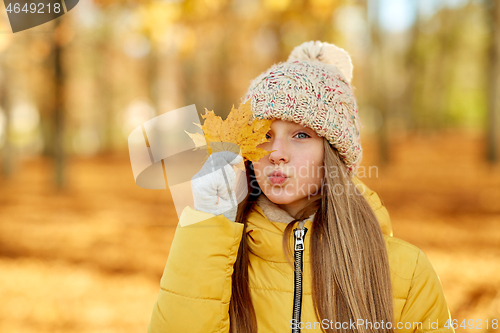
{"type": "Point", "coordinates": [273, 212]}
{"type": "Point", "coordinates": [267, 222]}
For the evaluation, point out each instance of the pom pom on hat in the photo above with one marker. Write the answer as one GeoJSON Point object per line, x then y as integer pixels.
{"type": "Point", "coordinates": [325, 53]}
{"type": "Point", "coordinates": [312, 88]}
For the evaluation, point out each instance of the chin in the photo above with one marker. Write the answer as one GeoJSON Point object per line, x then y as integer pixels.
{"type": "Point", "coordinates": [279, 199]}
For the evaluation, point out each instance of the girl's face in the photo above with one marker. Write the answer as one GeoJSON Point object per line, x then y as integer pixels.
{"type": "Point", "coordinates": [299, 156]}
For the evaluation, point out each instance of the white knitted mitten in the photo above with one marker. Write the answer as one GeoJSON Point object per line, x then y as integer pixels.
{"type": "Point", "coordinates": [213, 186]}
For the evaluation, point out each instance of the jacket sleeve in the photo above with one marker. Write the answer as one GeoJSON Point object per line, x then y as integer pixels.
{"type": "Point", "coordinates": [426, 303]}
{"type": "Point", "coordinates": [195, 288]}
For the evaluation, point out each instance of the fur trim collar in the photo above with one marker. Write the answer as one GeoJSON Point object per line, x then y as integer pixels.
{"type": "Point", "coordinates": [273, 212]}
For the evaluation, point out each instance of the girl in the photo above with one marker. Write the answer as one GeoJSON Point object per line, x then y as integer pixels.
{"type": "Point", "coordinates": [304, 201]}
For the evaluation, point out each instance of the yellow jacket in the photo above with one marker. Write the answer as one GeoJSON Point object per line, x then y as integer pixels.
{"type": "Point", "coordinates": [196, 283]}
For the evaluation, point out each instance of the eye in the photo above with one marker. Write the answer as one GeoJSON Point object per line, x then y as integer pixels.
{"type": "Point", "coordinates": [268, 136]}
{"type": "Point", "coordinates": [306, 135]}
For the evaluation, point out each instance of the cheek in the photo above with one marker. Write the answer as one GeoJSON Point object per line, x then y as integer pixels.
{"type": "Point", "coordinates": [258, 169]}
{"type": "Point", "coordinates": [314, 168]}
{"type": "Point", "coordinates": [319, 162]}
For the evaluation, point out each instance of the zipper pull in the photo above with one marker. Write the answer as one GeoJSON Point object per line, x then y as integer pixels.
{"type": "Point", "coordinates": [299, 239]}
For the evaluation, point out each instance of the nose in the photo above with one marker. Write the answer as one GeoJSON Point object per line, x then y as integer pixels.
{"type": "Point", "coordinates": [280, 153]}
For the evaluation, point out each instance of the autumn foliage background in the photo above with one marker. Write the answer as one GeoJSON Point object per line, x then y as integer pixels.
{"type": "Point", "coordinates": [82, 248]}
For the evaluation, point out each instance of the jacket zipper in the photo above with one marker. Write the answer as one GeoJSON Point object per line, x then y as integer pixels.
{"type": "Point", "coordinates": [300, 234]}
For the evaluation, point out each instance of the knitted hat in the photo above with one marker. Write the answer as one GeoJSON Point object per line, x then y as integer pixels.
{"type": "Point", "coordinates": [312, 88]}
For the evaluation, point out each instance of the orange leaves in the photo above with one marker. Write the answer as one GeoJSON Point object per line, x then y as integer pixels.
{"type": "Point", "coordinates": [237, 132]}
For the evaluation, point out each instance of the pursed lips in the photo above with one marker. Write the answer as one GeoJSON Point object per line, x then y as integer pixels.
{"type": "Point", "coordinates": [277, 177]}
{"type": "Point", "coordinates": [278, 174]}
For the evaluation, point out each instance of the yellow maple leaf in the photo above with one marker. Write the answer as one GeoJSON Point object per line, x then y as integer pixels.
{"type": "Point", "coordinates": [237, 132]}
{"type": "Point", "coordinates": [198, 139]}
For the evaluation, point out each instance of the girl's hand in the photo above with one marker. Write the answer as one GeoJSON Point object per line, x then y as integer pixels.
{"type": "Point", "coordinates": [213, 185]}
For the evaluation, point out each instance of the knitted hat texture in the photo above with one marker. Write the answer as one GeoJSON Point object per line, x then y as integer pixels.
{"type": "Point", "coordinates": [312, 88]}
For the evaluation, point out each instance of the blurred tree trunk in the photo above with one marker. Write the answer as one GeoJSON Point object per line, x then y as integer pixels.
{"type": "Point", "coordinates": [6, 151]}
{"type": "Point", "coordinates": [103, 62]}
{"type": "Point", "coordinates": [188, 78]}
{"type": "Point", "coordinates": [153, 73]}
{"type": "Point", "coordinates": [378, 82]}
{"type": "Point", "coordinates": [494, 84]}
{"type": "Point", "coordinates": [223, 100]}
{"type": "Point", "coordinates": [436, 121]}
{"type": "Point", "coordinates": [413, 63]}
{"type": "Point", "coordinates": [59, 103]}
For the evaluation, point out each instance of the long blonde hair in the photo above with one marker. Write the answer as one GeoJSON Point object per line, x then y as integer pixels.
{"type": "Point", "coordinates": [349, 264]}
